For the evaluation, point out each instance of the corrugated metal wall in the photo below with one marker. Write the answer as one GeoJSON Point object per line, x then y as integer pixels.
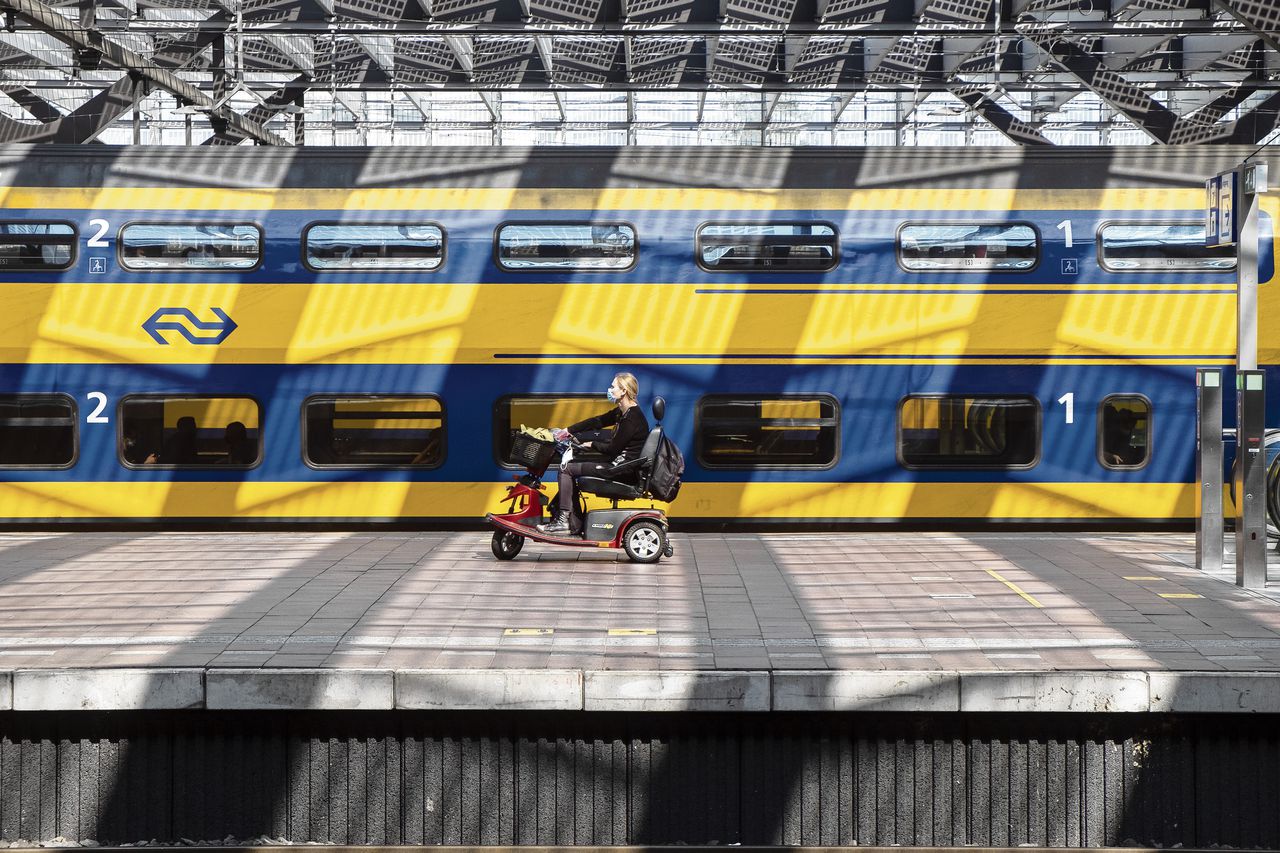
{"type": "Point", "coordinates": [562, 779]}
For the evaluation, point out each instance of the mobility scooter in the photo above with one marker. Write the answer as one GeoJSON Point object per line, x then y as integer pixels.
{"type": "Point", "coordinates": [642, 533]}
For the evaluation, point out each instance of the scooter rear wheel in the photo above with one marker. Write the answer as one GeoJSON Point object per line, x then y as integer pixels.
{"type": "Point", "coordinates": [644, 541]}
{"type": "Point", "coordinates": [506, 544]}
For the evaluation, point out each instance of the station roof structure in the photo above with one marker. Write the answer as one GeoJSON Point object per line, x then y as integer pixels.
{"type": "Point", "coordinates": [281, 72]}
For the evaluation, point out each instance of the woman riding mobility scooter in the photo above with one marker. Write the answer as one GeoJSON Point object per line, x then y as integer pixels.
{"type": "Point", "coordinates": [642, 533]}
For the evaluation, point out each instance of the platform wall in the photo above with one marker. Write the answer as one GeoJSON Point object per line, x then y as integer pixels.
{"type": "Point", "coordinates": [612, 779]}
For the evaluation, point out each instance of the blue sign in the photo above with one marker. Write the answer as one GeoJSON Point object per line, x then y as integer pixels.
{"type": "Point", "coordinates": [1220, 212]}
{"type": "Point", "coordinates": [98, 266]}
{"type": "Point", "coordinates": [185, 322]}
{"type": "Point", "coordinates": [1070, 267]}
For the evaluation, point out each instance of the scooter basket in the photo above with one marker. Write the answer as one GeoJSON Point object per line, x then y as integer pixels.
{"type": "Point", "coordinates": [530, 452]}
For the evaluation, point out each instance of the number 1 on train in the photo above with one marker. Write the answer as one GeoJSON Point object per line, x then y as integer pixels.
{"type": "Point", "coordinates": [1065, 227]}
{"type": "Point", "coordinates": [1069, 400]}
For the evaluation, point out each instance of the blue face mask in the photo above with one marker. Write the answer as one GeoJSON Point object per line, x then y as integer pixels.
{"type": "Point", "coordinates": [609, 394]}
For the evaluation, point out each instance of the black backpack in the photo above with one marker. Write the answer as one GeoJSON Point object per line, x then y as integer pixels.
{"type": "Point", "coordinates": [668, 468]}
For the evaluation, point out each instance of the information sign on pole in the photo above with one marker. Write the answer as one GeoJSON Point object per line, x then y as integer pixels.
{"type": "Point", "coordinates": [1211, 211]}
{"type": "Point", "coordinates": [1226, 209]}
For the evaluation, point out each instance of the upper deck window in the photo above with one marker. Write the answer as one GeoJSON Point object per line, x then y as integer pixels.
{"type": "Point", "coordinates": [36, 246]}
{"type": "Point", "coordinates": [767, 247]}
{"type": "Point", "coordinates": [968, 246]}
{"type": "Point", "coordinates": [589, 246]}
{"type": "Point", "coordinates": [374, 247]}
{"type": "Point", "coordinates": [156, 246]}
{"type": "Point", "coordinates": [1160, 247]}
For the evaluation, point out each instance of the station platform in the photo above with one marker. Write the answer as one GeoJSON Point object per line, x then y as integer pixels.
{"type": "Point", "coordinates": [891, 622]}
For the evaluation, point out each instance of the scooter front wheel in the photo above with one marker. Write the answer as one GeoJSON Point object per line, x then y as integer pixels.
{"type": "Point", "coordinates": [644, 542]}
{"type": "Point", "coordinates": [506, 544]}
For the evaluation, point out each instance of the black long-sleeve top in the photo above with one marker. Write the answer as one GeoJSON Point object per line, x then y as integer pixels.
{"type": "Point", "coordinates": [632, 428]}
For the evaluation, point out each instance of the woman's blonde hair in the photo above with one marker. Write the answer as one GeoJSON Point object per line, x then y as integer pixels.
{"type": "Point", "coordinates": [629, 384]}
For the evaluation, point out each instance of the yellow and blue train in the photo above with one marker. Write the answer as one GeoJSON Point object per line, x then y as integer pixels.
{"type": "Point", "coordinates": [913, 336]}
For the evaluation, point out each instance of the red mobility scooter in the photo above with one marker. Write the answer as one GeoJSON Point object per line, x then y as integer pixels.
{"type": "Point", "coordinates": [642, 533]}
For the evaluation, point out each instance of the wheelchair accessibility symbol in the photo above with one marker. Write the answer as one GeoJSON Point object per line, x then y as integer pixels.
{"type": "Point", "coordinates": [98, 266]}
{"type": "Point", "coordinates": [1070, 267]}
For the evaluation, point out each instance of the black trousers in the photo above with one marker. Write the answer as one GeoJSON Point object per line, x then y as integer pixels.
{"type": "Point", "coordinates": [569, 490]}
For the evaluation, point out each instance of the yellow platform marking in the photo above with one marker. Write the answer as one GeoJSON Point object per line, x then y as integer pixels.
{"type": "Point", "coordinates": [528, 632]}
{"type": "Point", "coordinates": [632, 632]}
{"type": "Point", "coordinates": [1179, 595]}
{"type": "Point", "coordinates": [1013, 586]}
{"type": "Point", "coordinates": [1142, 578]}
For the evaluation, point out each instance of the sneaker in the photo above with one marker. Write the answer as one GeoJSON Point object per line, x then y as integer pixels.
{"type": "Point", "coordinates": [559, 527]}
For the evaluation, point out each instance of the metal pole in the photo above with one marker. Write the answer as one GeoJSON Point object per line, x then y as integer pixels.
{"type": "Point", "coordinates": [1250, 479]}
{"type": "Point", "coordinates": [1209, 517]}
{"type": "Point", "coordinates": [1247, 282]}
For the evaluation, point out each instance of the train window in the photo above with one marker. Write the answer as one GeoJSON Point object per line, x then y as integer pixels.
{"type": "Point", "coordinates": [771, 430]}
{"type": "Point", "coordinates": [540, 410]}
{"type": "Point", "coordinates": [335, 246]}
{"type": "Point", "coordinates": [527, 246]}
{"type": "Point", "coordinates": [37, 246]}
{"type": "Point", "coordinates": [37, 431]}
{"type": "Point", "coordinates": [1159, 247]}
{"type": "Point", "coordinates": [1124, 431]}
{"type": "Point", "coordinates": [190, 432]}
{"type": "Point", "coordinates": [373, 432]}
{"type": "Point", "coordinates": [767, 247]}
{"type": "Point", "coordinates": [968, 432]}
{"type": "Point", "coordinates": [156, 246]}
{"type": "Point", "coordinates": [968, 246]}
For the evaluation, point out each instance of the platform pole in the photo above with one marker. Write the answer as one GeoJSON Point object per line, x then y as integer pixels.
{"type": "Point", "coordinates": [1209, 519]}
{"type": "Point", "coordinates": [1250, 480]}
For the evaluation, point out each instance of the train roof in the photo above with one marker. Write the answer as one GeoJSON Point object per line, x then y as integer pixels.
{"type": "Point", "coordinates": [246, 167]}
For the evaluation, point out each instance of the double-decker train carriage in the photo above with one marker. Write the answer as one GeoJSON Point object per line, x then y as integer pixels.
{"type": "Point", "coordinates": [930, 337]}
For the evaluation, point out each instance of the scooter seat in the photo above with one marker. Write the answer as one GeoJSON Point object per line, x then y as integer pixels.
{"type": "Point", "coordinates": [610, 488]}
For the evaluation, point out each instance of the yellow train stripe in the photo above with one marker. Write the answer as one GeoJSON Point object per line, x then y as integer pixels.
{"type": "Point", "coordinates": [460, 323]}
{"type": "Point", "coordinates": [778, 501]}
{"type": "Point", "coordinates": [428, 201]}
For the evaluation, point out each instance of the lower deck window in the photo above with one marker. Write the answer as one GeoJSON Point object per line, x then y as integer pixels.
{"type": "Point", "coordinates": [968, 432]}
{"type": "Point", "coordinates": [374, 432]}
{"type": "Point", "coordinates": [540, 410]}
{"type": "Point", "coordinates": [37, 431]}
{"type": "Point", "coordinates": [1124, 431]}
{"type": "Point", "coordinates": [190, 432]}
{"type": "Point", "coordinates": [737, 431]}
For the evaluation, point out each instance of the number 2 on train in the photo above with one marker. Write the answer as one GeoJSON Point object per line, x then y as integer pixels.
{"type": "Point", "coordinates": [96, 416]}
